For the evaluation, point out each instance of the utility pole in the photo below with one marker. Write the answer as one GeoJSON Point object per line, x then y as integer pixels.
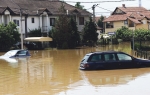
{"type": "Point", "coordinates": [93, 8]}
{"type": "Point", "coordinates": [21, 28]}
{"type": "Point", "coordinates": [140, 3]}
{"type": "Point", "coordinates": [20, 24]}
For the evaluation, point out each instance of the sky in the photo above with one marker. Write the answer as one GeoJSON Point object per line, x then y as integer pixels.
{"type": "Point", "coordinates": [105, 7]}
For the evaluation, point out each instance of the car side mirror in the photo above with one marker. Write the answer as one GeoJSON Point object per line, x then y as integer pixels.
{"type": "Point", "coordinates": [133, 58]}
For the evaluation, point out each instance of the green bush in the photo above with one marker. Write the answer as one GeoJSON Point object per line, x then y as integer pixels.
{"type": "Point", "coordinates": [9, 35]}
{"type": "Point", "coordinates": [124, 33]}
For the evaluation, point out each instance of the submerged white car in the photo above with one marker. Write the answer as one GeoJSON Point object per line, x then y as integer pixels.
{"type": "Point", "coordinates": [12, 55]}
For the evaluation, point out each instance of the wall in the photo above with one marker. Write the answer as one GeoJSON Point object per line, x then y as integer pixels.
{"type": "Point", "coordinates": [35, 25]}
{"type": "Point", "coordinates": [80, 27]}
{"type": "Point", "coordinates": [19, 27]}
{"type": "Point", "coordinates": [117, 25]}
{"type": "Point", "coordinates": [142, 26]}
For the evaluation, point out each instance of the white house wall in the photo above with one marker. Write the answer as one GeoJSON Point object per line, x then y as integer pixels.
{"type": "Point", "coordinates": [35, 25]}
{"type": "Point", "coordinates": [37, 22]}
{"type": "Point", "coordinates": [80, 27]}
{"type": "Point", "coordinates": [23, 23]}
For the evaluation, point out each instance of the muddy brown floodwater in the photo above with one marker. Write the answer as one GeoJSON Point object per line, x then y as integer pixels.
{"type": "Point", "coordinates": [55, 72]}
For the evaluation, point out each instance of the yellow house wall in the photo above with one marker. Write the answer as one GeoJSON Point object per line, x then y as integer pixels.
{"type": "Point", "coordinates": [145, 26]}
{"type": "Point", "coordinates": [142, 26]}
{"type": "Point", "coordinates": [117, 25]}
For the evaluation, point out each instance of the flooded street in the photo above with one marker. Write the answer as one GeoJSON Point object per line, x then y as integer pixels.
{"type": "Point", "coordinates": [56, 72]}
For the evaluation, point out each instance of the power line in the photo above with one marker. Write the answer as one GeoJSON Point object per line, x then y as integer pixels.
{"type": "Point", "coordinates": [97, 1]}
{"type": "Point", "coordinates": [104, 9]}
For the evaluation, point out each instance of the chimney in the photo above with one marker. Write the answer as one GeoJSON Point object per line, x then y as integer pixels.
{"type": "Point", "coordinates": [123, 5]}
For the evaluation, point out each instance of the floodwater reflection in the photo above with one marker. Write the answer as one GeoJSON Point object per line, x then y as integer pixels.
{"type": "Point", "coordinates": [56, 72]}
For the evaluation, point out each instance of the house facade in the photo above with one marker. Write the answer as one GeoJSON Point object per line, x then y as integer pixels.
{"type": "Point", "coordinates": [130, 17]}
{"type": "Point", "coordinates": [34, 14]}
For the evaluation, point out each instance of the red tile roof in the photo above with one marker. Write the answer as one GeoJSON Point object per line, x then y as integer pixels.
{"type": "Point", "coordinates": [132, 9]}
{"type": "Point", "coordinates": [134, 20]}
{"type": "Point", "coordinates": [136, 14]}
{"type": "Point", "coordinates": [146, 13]}
{"type": "Point", "coordinates": [116, 18]}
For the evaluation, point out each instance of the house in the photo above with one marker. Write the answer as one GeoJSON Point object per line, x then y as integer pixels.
{"type": "Point", "coordinates": [131, 17]}
{"type": "Point", "coordinates": [34, 14]}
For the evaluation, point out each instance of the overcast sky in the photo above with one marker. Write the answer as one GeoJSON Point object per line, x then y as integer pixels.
{"type": "Point", "coordinates": [105, 7]}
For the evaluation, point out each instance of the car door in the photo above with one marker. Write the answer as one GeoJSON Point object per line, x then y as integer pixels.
{"type": "Point", "coordinates": [125, 61]}
{"type": "Point", "coordinates": [110, 61]}
{"type": "Point", "coordinates": [96, 61]}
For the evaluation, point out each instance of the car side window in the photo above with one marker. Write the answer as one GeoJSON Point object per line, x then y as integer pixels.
{"type": "Point", "coordinates": [95, 58]}
{"type": "Point", "coordinates": [21, 53]}
{"type": "Point", "coordinates": [124, 57]}
{"type": "Point", "coordinates": [109, 57]}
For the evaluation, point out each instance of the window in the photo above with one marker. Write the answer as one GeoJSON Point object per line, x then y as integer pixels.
{"type": "Point", "coordinates": [52, 21]}
{"type": "Point", "coordinates": [144, 21]}
{"type": "Point", "coordinates": [109, 25]}
{"type": "Point", "coordinates": [5, 20]}
{"type": "Point", "coordinates": [131, 24]}
{"type": "Point", "coordinates": [125, 22]}
{"type": "Point", "coordinates": [124, 57]}
{"type": "Point", "coordinates": [109, 57]}
{"type": "Point", "coordinates": [21, 53]}
{"type": "Point", "coordinates": [16, 22]}
{"type": "Point", "coordinates": [95, 58]}
{"type": "Point", "coordinates": [81, 20]}
{"type": "Point", "coordinates": [32, 20]}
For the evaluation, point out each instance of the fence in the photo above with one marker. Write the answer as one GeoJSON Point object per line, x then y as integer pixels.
{"type": "Point", "coordinates": [142, 54]}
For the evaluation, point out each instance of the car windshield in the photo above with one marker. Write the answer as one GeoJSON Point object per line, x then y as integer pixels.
{"type": "Point", "coordinates": [10, 53]}
{"type": "Point", "coordinates": [124, 57]}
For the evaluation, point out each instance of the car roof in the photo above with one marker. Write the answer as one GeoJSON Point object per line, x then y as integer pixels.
{"type": "Point", "coordinates": [100, 52]}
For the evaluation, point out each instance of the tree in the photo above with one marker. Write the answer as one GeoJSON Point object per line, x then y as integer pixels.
{"type": "Point", "coordinates": [100, 21]}
{"type": "Point", "coordinates": [79, 6]}
{"type": "Point", "coordinates": [65, 34]}
{"type": "Point", "coordinates": [90, 33]}
{"type": "Point", "coordinates": [75, 37]}
{"type": "Point", "coordinates": [9, 35]}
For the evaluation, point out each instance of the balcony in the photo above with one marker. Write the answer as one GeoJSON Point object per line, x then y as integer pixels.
{"type": "Point", "coordinates": [44, 29]}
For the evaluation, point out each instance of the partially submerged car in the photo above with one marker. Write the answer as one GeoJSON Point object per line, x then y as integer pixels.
{"type": "Point", "coordinates": [12, 55]}
{"type": "Point", "coordinates": [111, 60]}
{"type": "Point", "coordinates": [16, 53]}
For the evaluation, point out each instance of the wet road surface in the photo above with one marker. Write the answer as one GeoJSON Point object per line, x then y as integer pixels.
{"type": "Point", "coordinates": [55, 72]}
